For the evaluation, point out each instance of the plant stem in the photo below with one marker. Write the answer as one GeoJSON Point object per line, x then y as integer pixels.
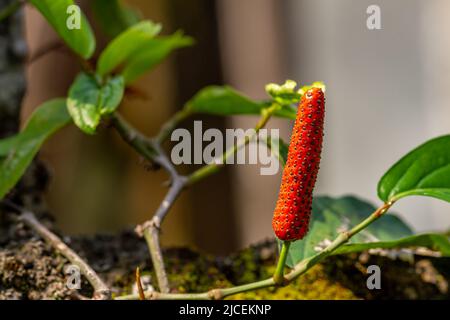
{"type": "Point", "coordinates": [152, 151]}
{"type": "Point", "coordinates": [151, 235]}
{"type": "Point", "coordinates": [214, 167]}
{"type": "Point", "coordinates": [134, 138]}
{"type": "Point", "coordinates": [278, 276]}
{"type": "Point", "coordinates": [101, 290]}
{"type": "Point", "coordinates": [299, 269]}
{"type": "Point", "coordinates": [170, 125]}
{"type": "Point", "coordinates": [10, 9]}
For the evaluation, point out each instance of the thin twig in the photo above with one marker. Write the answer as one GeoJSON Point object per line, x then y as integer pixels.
{"type": "Point", "coordinates": [153, 152]}
{"type": "Point", "coordinates": [299, 269]}
{"type": "Point", "coordinates": [139, 284]}
{"type": "Point", "coordinates": [150, 230]}
{"type": "Point", "coordinates": [41, 52]}
{"type": "Point", "coordinates": [142, 144]}
{"type": "Point", "coordinates": [101, 290]}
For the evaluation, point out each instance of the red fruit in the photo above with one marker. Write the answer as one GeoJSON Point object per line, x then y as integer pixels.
{"type": "Point", "coordinates": [293, 209]}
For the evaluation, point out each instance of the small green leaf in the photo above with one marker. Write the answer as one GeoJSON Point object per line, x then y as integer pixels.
{"type": "Point", "coordinates": [223, 101]}
{"type": "Point", "coordinates": [111, 95]}
{"type": "Point", "coordinates": [89, 100]}
{"type": "Point", "coordinates": [129, 43]}
{"type": "Point", "coordinates": [21, 149]}
{"type": "Point", "coordinates": [152, 52]}
{"type": "Point", "coordinates": [82, 40]}
{"type": "Point", "coordinates": [330, 216]}
{"type": "Point", "coordinates": [113, 16]}
{"type": "Point", "coordinates": [425, 171]}
{"type": "Point", "coordinates": [435, 242]}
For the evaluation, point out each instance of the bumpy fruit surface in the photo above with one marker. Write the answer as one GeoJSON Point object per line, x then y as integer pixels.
{"type": "Point", "coordinates": [293, 208]}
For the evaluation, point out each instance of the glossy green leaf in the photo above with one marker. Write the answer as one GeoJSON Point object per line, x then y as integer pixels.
{"type": "Point", "coordinates": [330, 216]}
{"type": "Point", "coordinates": [89, 100]}
{"type": "Point", "coordinates": [223, 101]}
{"type": "Point", "coordinates": [435, 242]}
{"type": "Point", "coordinates": [153, 52]}
{"type": "Point", "coordinates": [113, 16]}
{"type": "Point", "coordinates": [425, 171]}
{"type": "Point", "coordinates": [57, 13]}
{"type": "Point", "coordinates": [129, 43]}
{"type": "Point", "coordinates": [22, 148]}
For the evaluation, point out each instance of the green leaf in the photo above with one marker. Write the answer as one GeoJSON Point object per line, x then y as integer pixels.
{"type": "Point", "coordinates": [82, 40]}
{"type": "Point", "coordinates": [113, 16]}
{"type": "Point", "coordinates": [152, 52]}
{"type": "Point", "coordinates": [89, 100]}
{"type": "Point", "coordinates": [435, 242]}
{"type": "Point", "coordinates": [46, 120]}
{"type": "Point", "coordinates": [223, 101]}
{"type": "Point", "coordinates": [111, 95]}
{"type": "Point", "coordinates": [425, 171]}
{"type": "Point", "coordinates": [7, 144]}
{"type": "Point", "coordinates": [330, 216]}
{"type": "Point", "coordinates": [126, 45]}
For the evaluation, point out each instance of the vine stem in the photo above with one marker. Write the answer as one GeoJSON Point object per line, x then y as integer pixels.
{"type": "Point", "coordinates": [101, 290]}
{"type": "Point", "coordinates": [278, 276]}
{"type": "Point", "coordinates": [299, 269]}
{"type": "Point", "coordinates": [214, 167]}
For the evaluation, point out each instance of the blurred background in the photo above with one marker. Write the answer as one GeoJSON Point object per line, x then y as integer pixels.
{"type": "Point", "coordinates": [387, 92]}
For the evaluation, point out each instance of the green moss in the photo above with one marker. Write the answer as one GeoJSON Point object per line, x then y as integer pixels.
{"type": "Point", "coordinates": [199, 273]}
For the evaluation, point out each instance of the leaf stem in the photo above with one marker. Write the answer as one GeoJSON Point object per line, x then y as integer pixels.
{"type": "Point", "coordinates": [278, 276]}
{"type": "Point", "coordinates": [299, 269]}
{"type": "Point", "coordinates": [172, 123]}
{"type": "Point", "coordinates": [214, 167]}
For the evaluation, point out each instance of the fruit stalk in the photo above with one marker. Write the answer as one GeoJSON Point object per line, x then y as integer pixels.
{"type": "Point", "coordinates": [278, 276]}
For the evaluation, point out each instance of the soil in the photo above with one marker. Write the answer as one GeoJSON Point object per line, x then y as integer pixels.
{"type": "Point", "coordinates": [31, 269]}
